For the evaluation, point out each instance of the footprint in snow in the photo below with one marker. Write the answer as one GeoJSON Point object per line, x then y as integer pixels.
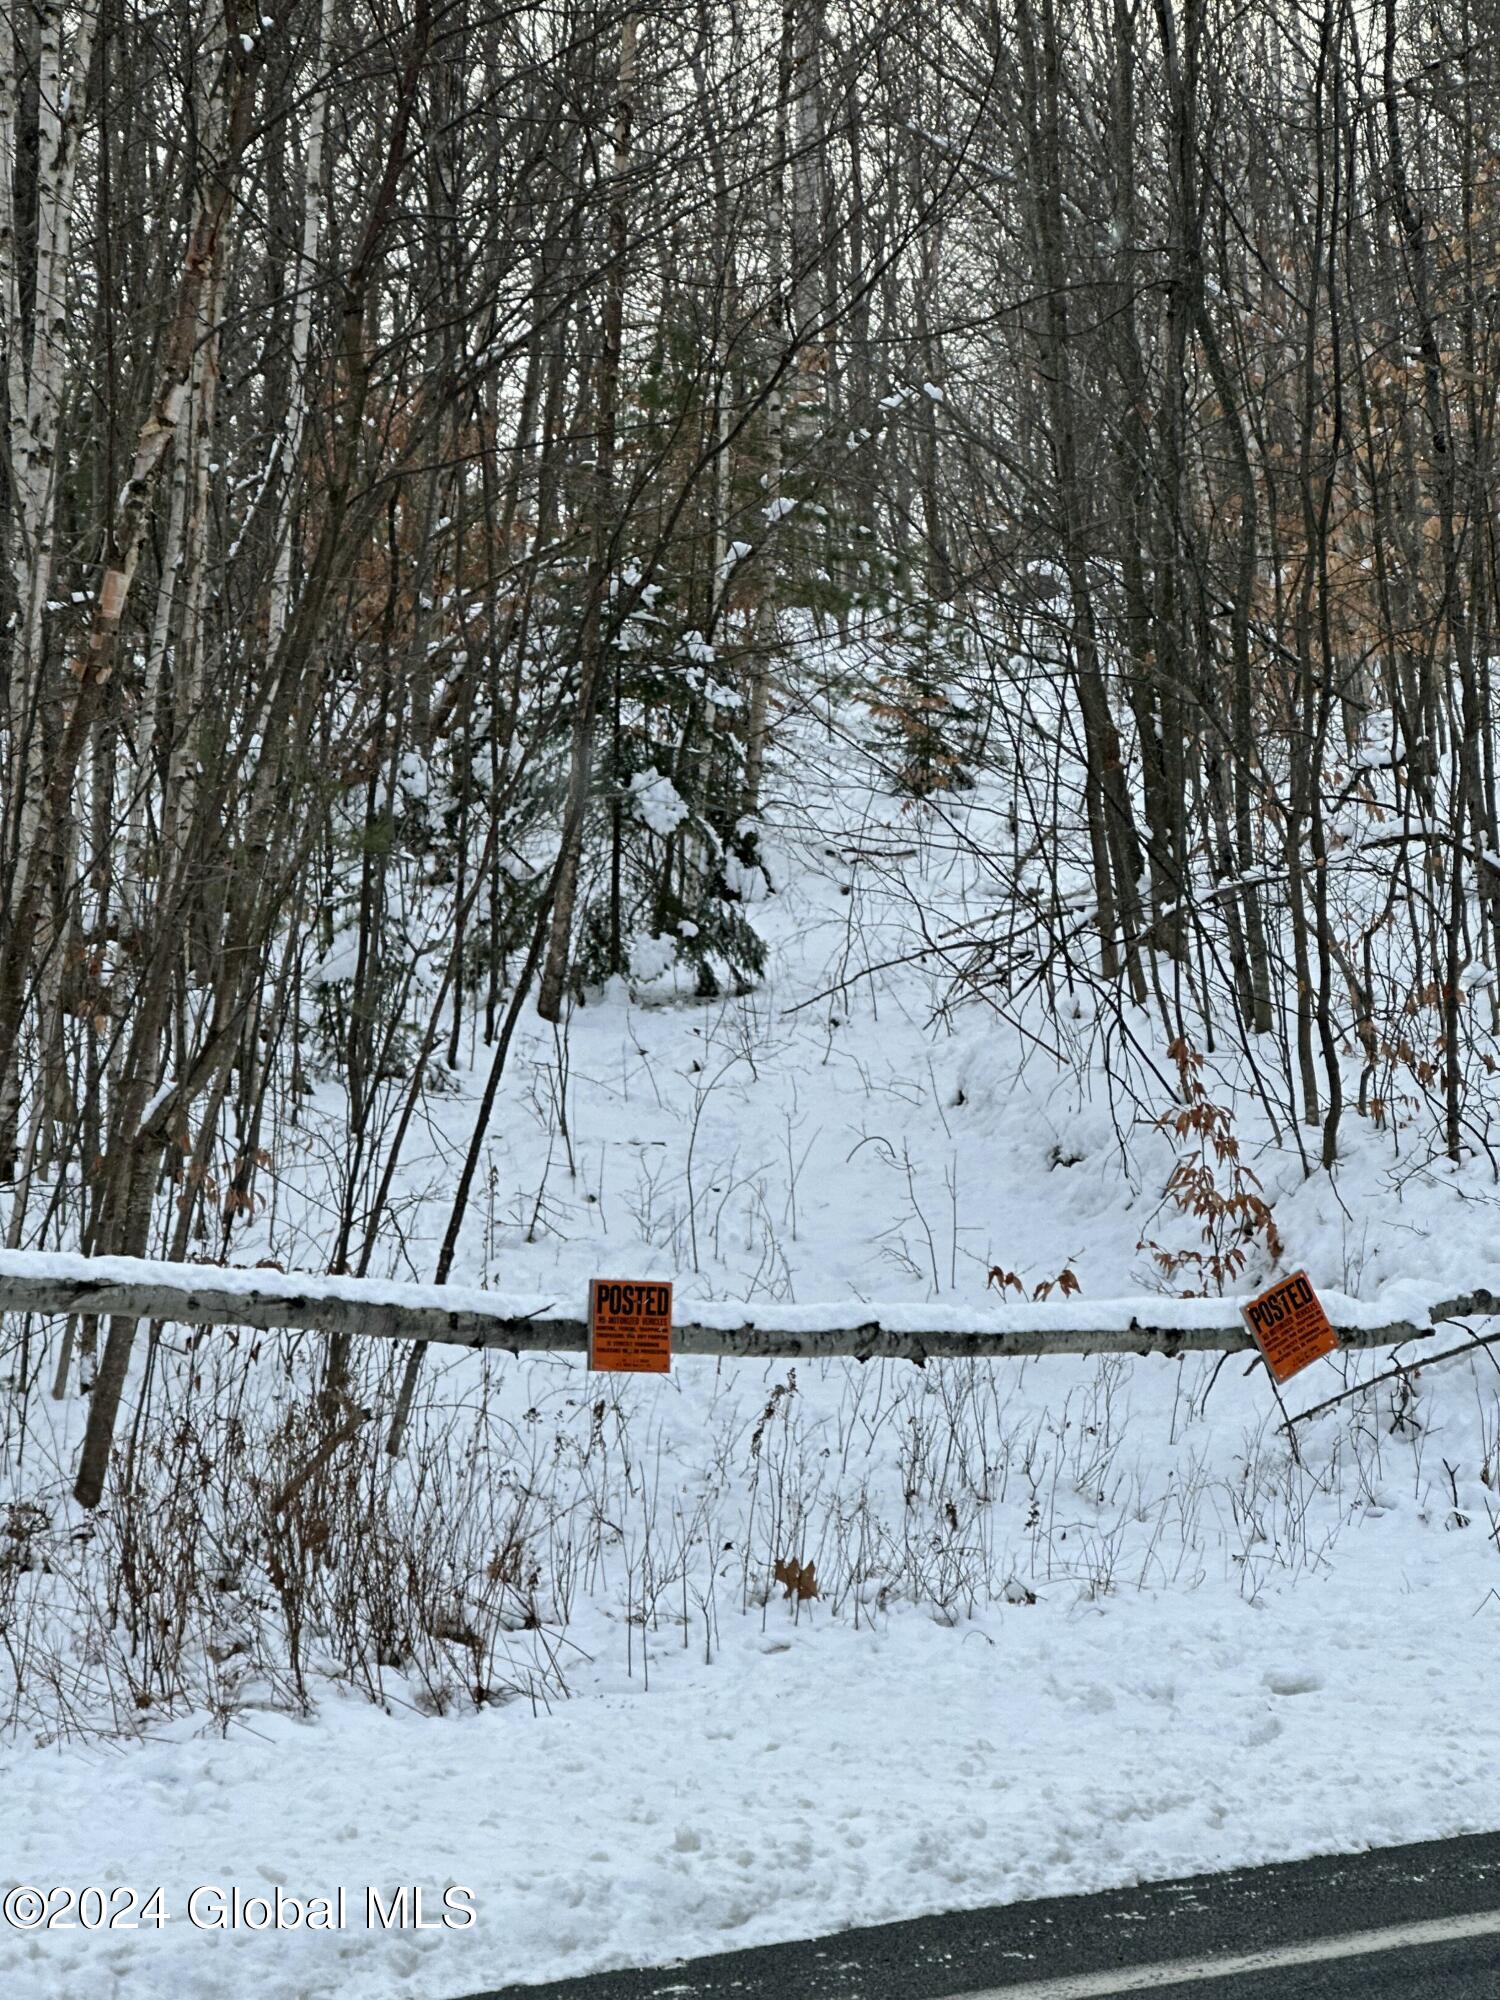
{"type": "Point", "coordinates": [1293, 1680]}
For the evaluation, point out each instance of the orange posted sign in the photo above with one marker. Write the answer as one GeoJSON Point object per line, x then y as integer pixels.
{"type": "Point", "coordinates": [1290, 1326]}
{"type": "Point", "coordinates": [630, 1326]}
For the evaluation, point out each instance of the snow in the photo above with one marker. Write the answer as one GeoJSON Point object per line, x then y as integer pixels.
{"type": "Point", "coordinates": [812, 1776]}
{"type": "Point", "coordinates": [153, 1104]}
{"type": "Point", "coordinates": [1233, 1655]}
{"type": "Point", "coordinates": [656, 801]}
{"type": "Point", "coordinates": [649, 957]}
{"type": "Point", "coordinates": [722, 694]}
{"type": "Point", "coordinates": [341, 961]}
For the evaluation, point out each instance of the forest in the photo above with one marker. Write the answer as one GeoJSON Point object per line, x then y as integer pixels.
{"type": "Point", "coordinates": [575, 575]}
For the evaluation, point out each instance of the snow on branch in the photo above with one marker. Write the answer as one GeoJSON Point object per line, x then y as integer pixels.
{"type": "Point", "coordinates": [226, 1295]}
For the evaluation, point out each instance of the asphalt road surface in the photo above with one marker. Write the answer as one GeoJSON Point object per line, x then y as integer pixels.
{"type": "Point", "coordinates": [1402, 1923]}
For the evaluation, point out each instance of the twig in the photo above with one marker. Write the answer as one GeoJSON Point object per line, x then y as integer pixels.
{"type": "Point", "coordinates": [1402, 1368]}
{"type": "Point", "coordinates": [354, 1420]}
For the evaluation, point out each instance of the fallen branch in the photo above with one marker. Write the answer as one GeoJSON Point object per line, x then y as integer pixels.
{"type": "Point", "coordinates": [218, 1295]}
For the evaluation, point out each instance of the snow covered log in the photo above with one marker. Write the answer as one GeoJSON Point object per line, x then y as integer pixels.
{"type": "Point", "coordinates": [227, 1295]}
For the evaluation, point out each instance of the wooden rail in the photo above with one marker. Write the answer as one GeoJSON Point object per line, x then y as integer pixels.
{"type": "Point", "coordinates": [215, 1295]}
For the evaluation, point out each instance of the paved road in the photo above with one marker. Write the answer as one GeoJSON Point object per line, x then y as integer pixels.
{"type": "Point", "coordinates": [1404, 1923]}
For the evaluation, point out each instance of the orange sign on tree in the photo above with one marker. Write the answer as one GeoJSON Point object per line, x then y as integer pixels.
{"type": "Point", "coordinates": [630, 1325]}
{"type": "Point", "coordinates": [1290, 1327]}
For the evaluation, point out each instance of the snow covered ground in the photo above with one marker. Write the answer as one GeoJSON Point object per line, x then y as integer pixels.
{"type": "Point", "coordinates": [1233, 1653]}
{"type": "Point", "coordinates": [812, 1776]}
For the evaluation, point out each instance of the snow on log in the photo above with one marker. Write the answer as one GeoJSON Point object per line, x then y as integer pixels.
{"type": "Point", "coordinates": [464, 1316]}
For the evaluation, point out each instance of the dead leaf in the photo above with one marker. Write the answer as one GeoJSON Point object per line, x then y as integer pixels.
{"type": "Point", "coordinates": [798, 1580]}
{"type": "Point", "coordinates": [1002, 1280]}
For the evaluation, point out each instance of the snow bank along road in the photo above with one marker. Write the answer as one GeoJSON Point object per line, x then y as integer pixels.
{"type": "Point", "coordinates": [812, 1777]}
{"type": "Point", "coordinates": [1403, 1923]}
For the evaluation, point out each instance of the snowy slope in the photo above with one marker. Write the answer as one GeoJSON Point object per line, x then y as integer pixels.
{"type": "Point", "coordinates": [1233, 1652]}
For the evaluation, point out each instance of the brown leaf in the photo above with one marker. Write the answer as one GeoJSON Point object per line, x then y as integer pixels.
{"type": "Point", "coordinates": [798, 1580]}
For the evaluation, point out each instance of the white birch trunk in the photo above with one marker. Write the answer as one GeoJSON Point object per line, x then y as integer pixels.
{"type": "Point", "coordinates": [36, 385]}
{"type": "Point", "coordinates": [223, 1295]}
{"type": "Point", "coordinates": [302, 311]}
{"type": "Point", "coordinates": [807, 217]}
